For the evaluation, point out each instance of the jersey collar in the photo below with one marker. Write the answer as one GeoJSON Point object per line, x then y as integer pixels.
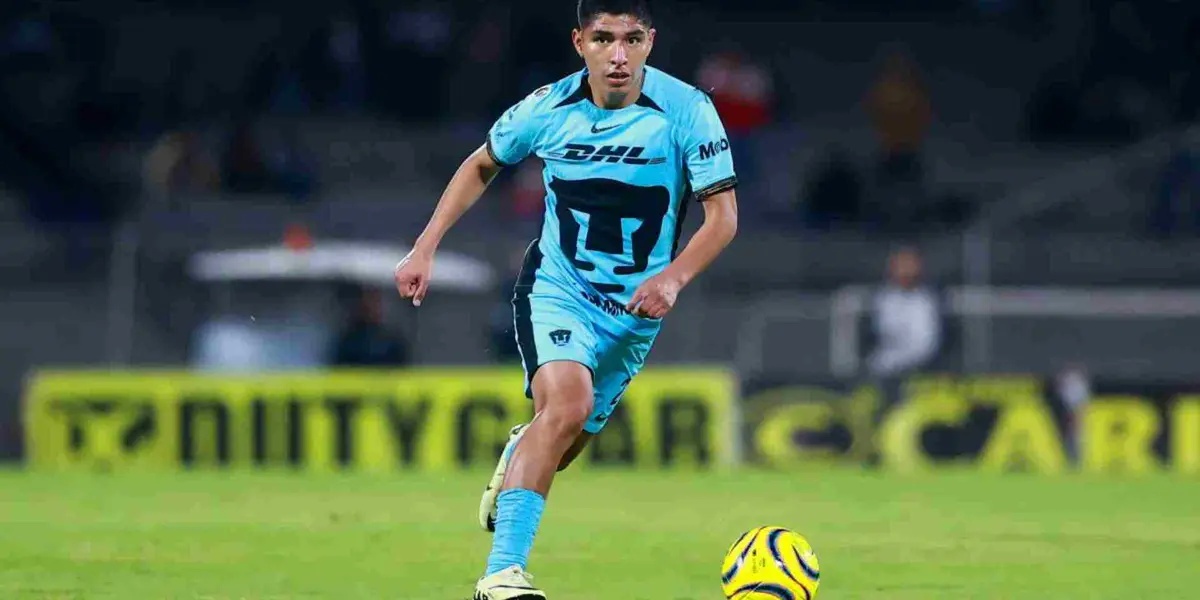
{"type": "Point", "coordinates": [583, 93]}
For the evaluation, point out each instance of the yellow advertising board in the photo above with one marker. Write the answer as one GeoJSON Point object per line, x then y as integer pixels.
{"type": "Point", "coordinates": [421, 419]}
{"type": "Point", "coordinates": [990, 422]}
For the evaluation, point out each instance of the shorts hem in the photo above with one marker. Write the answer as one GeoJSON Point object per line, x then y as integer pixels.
{"type": "Point", "coordinates": [531, 373]}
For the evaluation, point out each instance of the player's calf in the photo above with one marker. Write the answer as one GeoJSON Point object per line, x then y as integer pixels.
{"type": "Point", "coordinates": [565, 393]}
{"type": "Point", "coordinates": [581, 442]}
{"type": "Point", "coordinates": [487, 503]}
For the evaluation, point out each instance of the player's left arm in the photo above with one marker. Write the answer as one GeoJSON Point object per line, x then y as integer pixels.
{"type": "Point", "coordinates": [657, 295]}
{"type": "Point", "coordinates": [710, 171]}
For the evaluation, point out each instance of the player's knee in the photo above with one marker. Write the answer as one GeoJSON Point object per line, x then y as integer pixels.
{"type": "Point", "coordinates": [567, 413]}
{"type": "Point", "coordinates": [567, 416]}
{"type": "Point", "coordinates": [566, 390]}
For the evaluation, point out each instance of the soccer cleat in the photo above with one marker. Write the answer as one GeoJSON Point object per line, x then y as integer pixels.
{"type": "Point", "coordinates": [512, 583]}
{"type": "Point", "coordinates": [487, 504]}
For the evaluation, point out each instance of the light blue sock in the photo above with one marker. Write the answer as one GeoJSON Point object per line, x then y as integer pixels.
{"type": "Point", "coordinates": [518, 514]}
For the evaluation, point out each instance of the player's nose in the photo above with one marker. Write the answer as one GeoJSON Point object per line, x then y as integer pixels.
{"type": "Point", "coordinates": [619, 56]}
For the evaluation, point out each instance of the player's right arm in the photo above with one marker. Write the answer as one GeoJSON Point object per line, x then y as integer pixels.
{"type": "Point", "coordinates": [465, 188]}
{"type": "Point", "coordinates": [509, 141]}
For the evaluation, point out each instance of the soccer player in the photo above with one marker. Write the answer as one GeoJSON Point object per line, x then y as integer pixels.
{"type": "Point", "coordinates": [626, 149]}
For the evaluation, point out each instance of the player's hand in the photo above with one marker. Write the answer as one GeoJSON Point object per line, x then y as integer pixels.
{"type": "Point", "coordinates": [655, 297]}
{"type": "Point", "coordinates": [412, 276]}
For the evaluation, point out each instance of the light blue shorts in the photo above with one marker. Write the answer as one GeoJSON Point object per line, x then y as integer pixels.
{"type": "Point", "coordinates": [562, 321]}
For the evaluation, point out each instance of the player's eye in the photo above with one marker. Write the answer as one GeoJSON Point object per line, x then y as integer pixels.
{"type": "Point", "coordinates": [635, 40]}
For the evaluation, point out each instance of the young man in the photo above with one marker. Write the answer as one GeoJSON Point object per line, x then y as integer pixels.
{"type": "Point", "coordinates": [626, 149]}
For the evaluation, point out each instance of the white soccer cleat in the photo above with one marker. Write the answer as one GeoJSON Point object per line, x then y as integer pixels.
{"type": "Point", "coordinates": [512, 583]}
{"type": "Point", "coordinates": [487, 504]}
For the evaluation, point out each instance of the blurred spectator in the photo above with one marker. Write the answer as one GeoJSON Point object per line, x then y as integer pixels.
{"type": "Point", "coordinates": [1186, 80]}
{"type": "Point", "coordinates": [744, 95]}
{"type": "Point", "coordinates": [1051, 113]}
{"type": "Point", "coordinates": [273, 86]}
{"type": "Point", "coordinates": [1130, 80]}
{"type": "Point", "coordinates": [907, 324]}
{"type": "Point", "coordinates": [900, 111]}
{"type": "Point", "coordinates": [483, 67]}
{"type": "Point", "coordinates": [1074, 389]}
{"type": "Point", "coordinates": [280, 166]}
{"type": "Point", "coordinates": [293, 169]}
{"type": "Point", "coordinates": [345, 50]}
{"type": "Point", "coordinates": [833, 195]}
{"type": "Point", "coordinates": [243, 167]}
{"type": "Point", "coordinates": [1133, 57]}
{"type": "Point", "coordinates": [416, 51]}
{"type": "Point", "coordinates": [365, 341]}
{"type": "Point", "coordinates": [1176, 202]}
{"type": "Point", "coordinates": [906, 317]}
{"type": "Point", "coordinates": [287, 95]}
{"type": "Point", "coordinates": [316, 69]}
{"type": "Point", "coordinates": [176, 162]}
{"type": "Point", "coordinates": [539, 61]}
{"type": "Point", "coordinates": [741, 89]}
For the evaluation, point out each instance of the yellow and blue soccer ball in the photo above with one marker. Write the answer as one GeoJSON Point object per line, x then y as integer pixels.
{"type": "Point", "coordinates": [770, 563]}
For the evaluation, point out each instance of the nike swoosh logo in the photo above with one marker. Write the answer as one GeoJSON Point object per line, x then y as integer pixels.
{"type": "Point", "coordinates": [595, 130]}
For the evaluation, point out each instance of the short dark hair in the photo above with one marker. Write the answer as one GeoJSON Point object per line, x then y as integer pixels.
{"type": "Point", "coordinates": [590, 9]}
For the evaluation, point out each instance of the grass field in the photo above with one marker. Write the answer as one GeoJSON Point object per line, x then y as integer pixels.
{"type": "Point", "coordinates": [610, 536]}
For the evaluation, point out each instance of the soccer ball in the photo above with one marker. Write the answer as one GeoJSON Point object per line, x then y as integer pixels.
{"type": "Point", "coordinates": [770, 563]}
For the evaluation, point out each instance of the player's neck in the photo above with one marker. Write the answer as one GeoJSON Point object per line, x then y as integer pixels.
{"type": "Point", "coordinates": [614, 100]}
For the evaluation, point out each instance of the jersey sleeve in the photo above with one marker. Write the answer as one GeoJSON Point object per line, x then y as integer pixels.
{"type": "Point", "coordinates": [706, 149]}
{"type": "Point", "coordinates": [512, 137]}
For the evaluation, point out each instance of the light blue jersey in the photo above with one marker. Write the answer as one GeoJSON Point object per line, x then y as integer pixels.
{"type": "Point", "coordinates": [618, 184]}
{"type": "Point", "coordinates": [617, 181]}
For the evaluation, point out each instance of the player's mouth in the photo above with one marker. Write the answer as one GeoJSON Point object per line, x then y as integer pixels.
{"type": "Point", "coordinates": [618, 79]}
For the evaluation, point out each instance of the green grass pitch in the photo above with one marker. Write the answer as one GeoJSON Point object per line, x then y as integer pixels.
{"type": "Point", "coordinates": [605, 536]}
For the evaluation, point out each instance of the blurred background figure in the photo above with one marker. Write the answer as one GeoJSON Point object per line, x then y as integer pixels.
{"type": "Point", "coordinates": [833, 195]}
{"type": "Point", "coordinates": [345, 54]}
{"type": "Point", "coordinates": [178, 162]}
{"type": "Point", "coordinates": [365, 340]}
{"type": "Point", "coordinates": [906, 319]}
{"type": "Point", "coordinates": [1074, 388]}
{"type": "Point", "coordinates": [243, 166]}
{"type": "Point", "coordinates": [1175, 207]}
{"type": "Point", "coordinates": [900, 110]}
{"type": "Point", "coordinates": [743, 91]}
{"type": "Point", "coordinates": [292, 167]}
{"type": "Point", "coordinates": [906, 322]}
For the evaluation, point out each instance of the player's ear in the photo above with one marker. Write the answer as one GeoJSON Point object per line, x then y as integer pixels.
{"type": "Point", "coordinates": [577, 41]}
{"type": "Point", "coordinates": [650, 39]}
